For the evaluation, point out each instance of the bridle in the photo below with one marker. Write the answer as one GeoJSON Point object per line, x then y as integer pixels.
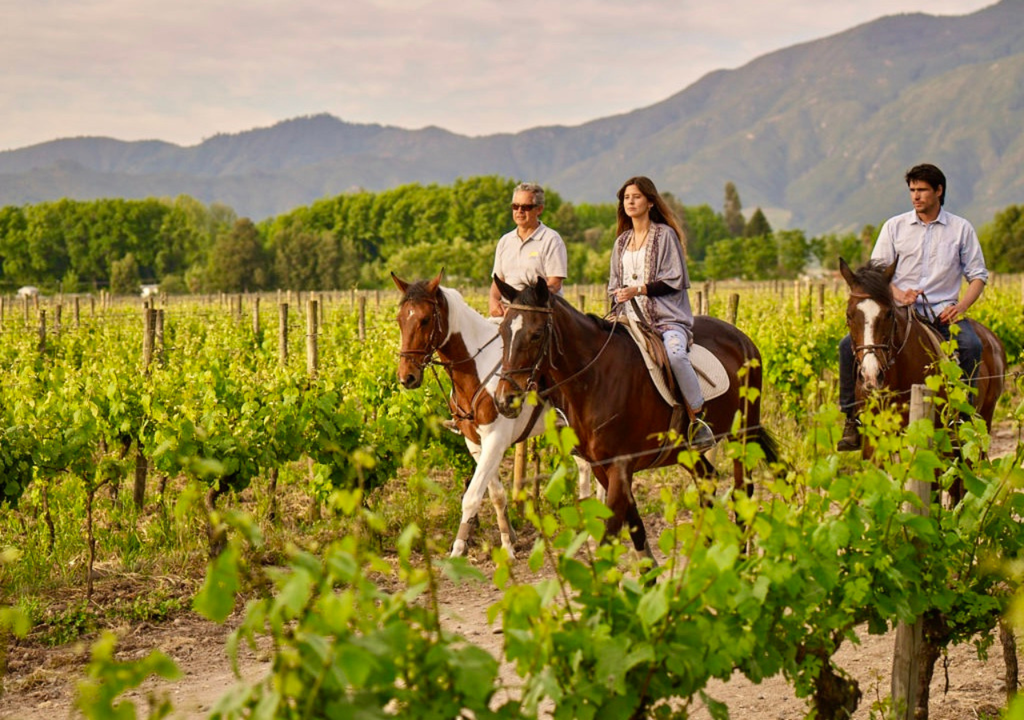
{"type": "Point", "coordinates": [549, 336]}
{"type": "Point", "coordinates": [885, 353]}
{"type": "Point", "coordinates": [424, 358]}
{"type": "Point", "coordinates": [531, 382]}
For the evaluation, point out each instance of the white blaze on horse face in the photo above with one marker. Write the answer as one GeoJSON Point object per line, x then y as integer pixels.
{"type": "Point", "coordinates": [870, 370]}
{"type": "Point", "coordinates": [514, 328]}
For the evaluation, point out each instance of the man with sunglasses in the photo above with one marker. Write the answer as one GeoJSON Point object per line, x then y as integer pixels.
{"type": "Point", "coordinates": [530, 251]}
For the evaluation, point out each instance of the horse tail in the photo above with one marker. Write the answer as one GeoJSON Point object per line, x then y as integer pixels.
{"type": "Point", "coordinates": [769, 444]}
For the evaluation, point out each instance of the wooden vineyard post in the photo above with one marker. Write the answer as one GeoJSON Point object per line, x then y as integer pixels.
{"type": "Point", "coordinates": [312, 364]}
{"type": "Point", "coordinates": [581, 302]}
{"type": "Point", "coordinates": [42, 330]}
{"type": "Point", "coordinates": [26, 311]}
{"type": "Point", "coordinates": [312, 352]}
{"type": "Point", "coordinates": [821, 302]}
{"type": "Point", "coordinates": [362, 318]}
{"type": "Point", "coordinates": [699, 305]}
{"type": "Point", "coordinates": [148, 334]}
{"type": "Point", "coordinates": [77, 312]}
{"type": "Point", "coordinates": [519, 473]}
{"type": "Point", "coordinates": [282, 333]}
{"type": "Point", "coordinates": [256, 316]}
{"type": "Point", "coordinates": [734, 307]}
{"type": "Point", "coordinates": [158, 334]}
{"type": "Point", "coordinates": [909, 639]}
{"type": "Point", "coordinates": [148, 343]}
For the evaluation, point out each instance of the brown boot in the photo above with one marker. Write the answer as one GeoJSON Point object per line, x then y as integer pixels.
{"type": "Point", "coordinates": [851, 436]}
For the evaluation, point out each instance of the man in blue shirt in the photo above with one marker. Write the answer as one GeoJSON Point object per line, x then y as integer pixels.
{"type": "Point", "coordinates": [936, 250]}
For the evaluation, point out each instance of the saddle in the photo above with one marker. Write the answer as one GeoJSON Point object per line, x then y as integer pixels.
{"type": "Point", "coordinates": [713, 378]}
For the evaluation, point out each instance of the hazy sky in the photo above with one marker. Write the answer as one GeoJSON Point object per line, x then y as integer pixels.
{"type": "Point", "coordinates": [185, 70]}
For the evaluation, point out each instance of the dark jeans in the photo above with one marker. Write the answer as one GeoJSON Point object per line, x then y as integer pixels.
{"type": "Point", "coordinates": [968, 348]}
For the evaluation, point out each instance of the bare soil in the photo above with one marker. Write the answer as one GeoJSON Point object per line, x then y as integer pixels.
{"type": "Point", "coordinates": [40, 681]}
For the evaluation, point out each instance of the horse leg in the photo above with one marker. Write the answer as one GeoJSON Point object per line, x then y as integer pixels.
{"type": "Point", "coordinates": [499, 499]}
{"type": "Point", "coordinates": [586, 484]}
{"type": "Point", "coordinates": [488, 457]}
{"type": "Point", "coordinates": [623, 506]}
{"type": "Point", "coordinates": [474, 489]}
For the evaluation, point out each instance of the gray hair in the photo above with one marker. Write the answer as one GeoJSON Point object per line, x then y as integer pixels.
{"type": "Point", "coordinates": [535, 190]}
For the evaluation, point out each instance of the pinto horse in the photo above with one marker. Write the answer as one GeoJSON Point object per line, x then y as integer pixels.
{"type": "Point", "coordinates": [436, 320]}
{"type": "Point", "coordinates": [593, 370]}
{"type": "Point", "coordinates": [894, 350]}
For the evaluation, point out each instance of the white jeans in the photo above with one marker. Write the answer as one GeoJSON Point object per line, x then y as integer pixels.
{"type": "Point", "coordinates": [679, 359]}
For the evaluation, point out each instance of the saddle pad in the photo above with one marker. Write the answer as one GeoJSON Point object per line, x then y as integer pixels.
{"type": "Point", "coordinates": [711, 374]}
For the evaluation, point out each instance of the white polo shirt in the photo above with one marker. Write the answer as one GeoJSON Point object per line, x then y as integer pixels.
{"type": "Point", "coordinates": [521, 262]}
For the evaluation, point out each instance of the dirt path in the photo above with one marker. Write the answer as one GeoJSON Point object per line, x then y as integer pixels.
{"type": "Point", "coordinates": [40, 682]}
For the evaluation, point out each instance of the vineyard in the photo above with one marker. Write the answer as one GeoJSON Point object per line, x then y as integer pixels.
{"type": "Point", "coordinates": [253, 459]}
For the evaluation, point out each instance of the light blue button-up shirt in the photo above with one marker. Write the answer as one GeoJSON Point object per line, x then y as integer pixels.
{"type": "Point", "coordinates": [934, 257]}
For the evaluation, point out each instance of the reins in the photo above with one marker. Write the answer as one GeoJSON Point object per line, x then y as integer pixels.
{"type": "Point", "coordinates": [549, 334]}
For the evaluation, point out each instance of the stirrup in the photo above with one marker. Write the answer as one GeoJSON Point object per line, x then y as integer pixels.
{"type": "Point", "coordinates": [700, 436]}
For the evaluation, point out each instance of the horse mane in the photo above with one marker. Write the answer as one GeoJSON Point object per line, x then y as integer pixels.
{"type": "Point", "coordinates": [871, 279]}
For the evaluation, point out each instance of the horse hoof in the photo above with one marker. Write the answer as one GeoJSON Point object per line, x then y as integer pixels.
{"type": "Point", "coordinates": [459, 549]}
{"type": "Point", "coordinates": [509, 545]}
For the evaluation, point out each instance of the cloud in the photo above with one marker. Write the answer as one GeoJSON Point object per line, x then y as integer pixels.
{"type": "Point", "coordinates": [187, 70]}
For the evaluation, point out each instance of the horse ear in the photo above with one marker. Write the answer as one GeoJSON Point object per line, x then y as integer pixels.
{"type": "Point", "coordinates": [433, 284]}
{"type": "Point", "coordinates": [846, 272]}
{"type": "Point", "coordinates": [507, 291]}
{"type": "Point", "coordinates": [891, 270]}
{"type": "Point", "coordinates": [401, 284]}
{"type": "Point", "coordinates": [543, 294]}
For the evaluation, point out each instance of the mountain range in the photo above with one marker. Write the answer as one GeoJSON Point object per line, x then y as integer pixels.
{"type": "Point", "coordinates": [818, 135]}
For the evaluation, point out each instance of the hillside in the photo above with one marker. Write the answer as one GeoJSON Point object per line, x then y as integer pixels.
{"type": "Point", "coordinates": [817, 134]}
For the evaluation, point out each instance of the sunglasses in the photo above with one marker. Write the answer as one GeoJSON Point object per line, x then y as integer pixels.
{"type": "Point", "coordinates": [525, 208]}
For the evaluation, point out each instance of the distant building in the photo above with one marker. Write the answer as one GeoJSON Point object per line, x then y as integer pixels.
{"type": "Point", "coordinates": [150, 291]}
{"type": "Point", "coordinates": [28, 291]}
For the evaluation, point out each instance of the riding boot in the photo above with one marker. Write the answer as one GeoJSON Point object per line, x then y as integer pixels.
{"type": "Point", "coordinates": [701, 437]}
{"type": "Point", "coordinates": [851, 435]}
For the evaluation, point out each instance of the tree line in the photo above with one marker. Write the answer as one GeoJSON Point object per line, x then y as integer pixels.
{"type": "Point", "coordinates": [356, 239]}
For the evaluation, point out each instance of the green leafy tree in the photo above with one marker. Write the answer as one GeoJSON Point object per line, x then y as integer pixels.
{"type": "Point", "coordinates": [124, 276]}
{"type": "Point", "coordinates": [704, 228]}
{"type": "Point", "coordinates": [758, 225]}
{"type": "Point", "coordinates": [732, 211]}
{"type": "Point", "coordinates": [237, 260]}
{"type": "Point", "coordinates": [829, 248]}
{"type": "Point", "coordinates": [760, 257]}
{"type": "Point", "coordinates": [566, 223]}
{"type": "Point", "coordinates": [724, 260]}
{"type": "Point", "coordinates": [1002, 240]}
{"type": "Point", "coordinates": [793, 251]}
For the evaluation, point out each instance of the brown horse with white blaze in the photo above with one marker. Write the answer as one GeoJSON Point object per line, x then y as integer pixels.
{"type": "Point", "coordinates": [894, 350]}
{"type": "Point", "coordinates": [593, 371]}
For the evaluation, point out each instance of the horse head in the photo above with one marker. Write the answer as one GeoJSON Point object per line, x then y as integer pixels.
{"type": "Point", "coordinates": [526, 334]}
{"type": "Point", "coordinates": [871, 320]}
{"type": "Point", "coordinates": [422, 320]}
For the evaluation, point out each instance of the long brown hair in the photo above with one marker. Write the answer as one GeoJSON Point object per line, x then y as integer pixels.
{"type": "Point", "coordinates": [660, 211]}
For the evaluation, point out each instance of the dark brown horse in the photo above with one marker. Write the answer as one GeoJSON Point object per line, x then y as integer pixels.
{"type": "Point", "coordinates": [593, 371]}
{"type": "Point", "coordinates": [894, 350]}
